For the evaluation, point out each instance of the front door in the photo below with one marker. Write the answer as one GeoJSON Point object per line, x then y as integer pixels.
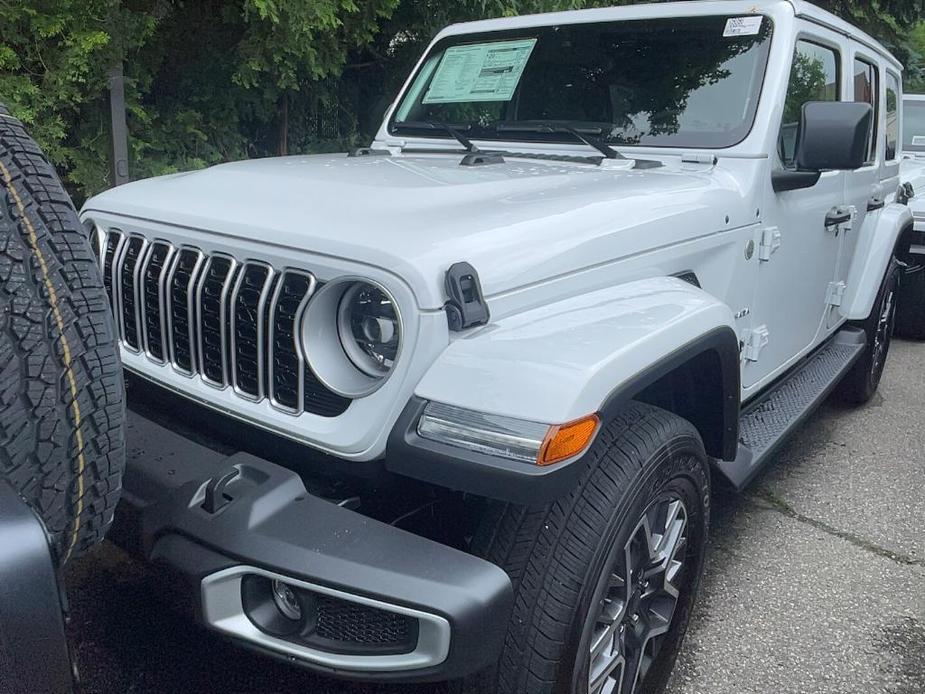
{"type": "Point", "coordinates": [800, 249]}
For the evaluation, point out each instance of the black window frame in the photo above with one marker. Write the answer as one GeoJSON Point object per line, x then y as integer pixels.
{"type": "Point", "coordinates": [897, 143]}
{"type": "Point", "coordinates": [872, 140]}
{"type": "Point", "coordinates": [839, 83]}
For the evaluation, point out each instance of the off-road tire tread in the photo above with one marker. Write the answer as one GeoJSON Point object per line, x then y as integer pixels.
{"type": "Point", "coordinates": [546, 550]}
{"type": "Point", "coordinates": [39, 452]}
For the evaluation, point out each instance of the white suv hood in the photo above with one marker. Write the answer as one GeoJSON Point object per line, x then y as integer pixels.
{"type": "Point", "coordinates": [519, 222]}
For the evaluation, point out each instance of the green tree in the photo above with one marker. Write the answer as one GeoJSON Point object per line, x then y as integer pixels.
{"type": "Point", "coordinates": [214, 80]}
{"type": "Point", "coordinates": [289, 45]}
{"type": "Point", "coordinates": [54, 57]}
{"type": "Point", "coordinates": [807, 83]}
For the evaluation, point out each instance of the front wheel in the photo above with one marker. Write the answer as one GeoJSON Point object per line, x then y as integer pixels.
{"type": "Point", "coordinates": [606, 576]}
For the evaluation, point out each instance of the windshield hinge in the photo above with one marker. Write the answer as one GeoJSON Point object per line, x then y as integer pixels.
{"type": "Point", "coordinates": [369, 152]}
{"type": "Point", "coordinates": [481, 158]}
{"type": "Point", "coordinates": [699, 158]}
{"type": "Point", "coordinates": [465, 306]}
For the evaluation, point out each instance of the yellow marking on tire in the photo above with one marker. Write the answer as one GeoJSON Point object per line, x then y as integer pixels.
{"type": "Point", "coordinates": [65, 348]}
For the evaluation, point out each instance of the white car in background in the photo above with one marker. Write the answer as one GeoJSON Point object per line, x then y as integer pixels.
{"type": "Point", "coordinates": [911, 309]}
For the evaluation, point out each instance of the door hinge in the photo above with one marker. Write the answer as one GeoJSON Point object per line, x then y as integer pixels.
{"type": "Point", "coordinates": [770, 242]}
{"type": "Point", "coordinates": [835, 293]}
{"type": "Point", "coordinates": [753, 341]}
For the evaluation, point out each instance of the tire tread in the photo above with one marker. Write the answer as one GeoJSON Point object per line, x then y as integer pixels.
{"type": "Point", "coordinates": [38, 440]}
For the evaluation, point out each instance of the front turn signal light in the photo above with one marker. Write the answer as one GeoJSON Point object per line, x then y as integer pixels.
{"type": "Point", "coordinates": [567, 440]}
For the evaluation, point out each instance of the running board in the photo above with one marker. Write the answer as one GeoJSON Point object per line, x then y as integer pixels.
{"type": "Point", "coordinates": [768, 423]}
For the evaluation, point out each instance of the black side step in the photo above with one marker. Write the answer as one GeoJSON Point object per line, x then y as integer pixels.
{"type": "Point", "coordinates": [768, 423]}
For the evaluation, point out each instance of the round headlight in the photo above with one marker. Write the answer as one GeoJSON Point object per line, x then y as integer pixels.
{"type": "Point", "coordinates": [368, 328]}
{"type": "Point", "coordinates": [352, 336]}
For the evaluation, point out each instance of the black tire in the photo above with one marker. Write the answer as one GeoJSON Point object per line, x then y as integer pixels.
{"type": "Point", "coordinates": [862, 381]}
{"type": "Point", "coordinates": [62, 444]}
{"type": "Point", "coordinates": [560, 556]}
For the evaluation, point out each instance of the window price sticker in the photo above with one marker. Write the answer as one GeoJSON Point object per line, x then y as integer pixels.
{"type": "Point", "coordinates": [479, 72]}
{"type": "Point", "coordinates": [742, 26]}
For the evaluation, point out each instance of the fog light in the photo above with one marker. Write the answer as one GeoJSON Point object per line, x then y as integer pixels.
{"type": "Point", "coordinates": [286, 602]}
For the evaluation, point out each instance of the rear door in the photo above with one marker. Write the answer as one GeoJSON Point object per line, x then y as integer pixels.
{"type": "Point", "coordinates": [867, 188]}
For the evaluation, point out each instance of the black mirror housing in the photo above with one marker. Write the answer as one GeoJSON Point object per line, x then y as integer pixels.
{"type": "Point", "coordinates": [833, 136]}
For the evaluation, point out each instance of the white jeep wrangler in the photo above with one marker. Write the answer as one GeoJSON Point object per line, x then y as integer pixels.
{"type": "Point", "coordinates": [449, 407]}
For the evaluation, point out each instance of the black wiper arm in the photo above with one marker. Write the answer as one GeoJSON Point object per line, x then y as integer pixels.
{"type": "Point", "coordinates": [605, 149]}
{"type": "Point", "coordinates": [602, 147]}
{"type": "Point", "coordinates": [449, 129]}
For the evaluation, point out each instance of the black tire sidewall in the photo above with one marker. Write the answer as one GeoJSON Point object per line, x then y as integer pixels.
{"type": "Point", "coordinates": [862, 381]}
{"type": "Point", "coordinates": [889, 287]}
{"type": "Point", "coordinates": [679, 465]}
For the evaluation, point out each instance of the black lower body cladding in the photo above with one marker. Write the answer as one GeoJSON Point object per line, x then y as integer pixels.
{"type": "Point", "coordinates": [244, 535]}
{"type": "Point", "coordinates": [33, 649]}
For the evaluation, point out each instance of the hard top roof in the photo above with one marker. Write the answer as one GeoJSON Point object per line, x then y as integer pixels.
{"type": "Point", "coordinates": [797, 8]}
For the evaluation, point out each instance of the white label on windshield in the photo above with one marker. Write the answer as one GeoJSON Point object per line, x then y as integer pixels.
{"type": "Point", "coordinates": [479, 72]}
{"type": "Point", "coordinates": [742, 26]}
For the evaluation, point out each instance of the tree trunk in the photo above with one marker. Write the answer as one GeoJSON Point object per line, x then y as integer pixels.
{"type": "Point", "coordinates": [283, 112]}
{"type": "Point", "coordinates": [119, 131]}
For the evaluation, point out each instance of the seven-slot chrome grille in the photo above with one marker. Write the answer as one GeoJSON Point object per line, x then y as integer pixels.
{"type": "Point", "coordinates": [232, 324]}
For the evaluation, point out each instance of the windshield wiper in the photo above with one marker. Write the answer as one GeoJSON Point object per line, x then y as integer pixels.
{"type": "Point", "coordinates": [433, 125]}
{"type": "Point", "coordinates": [602, 147]}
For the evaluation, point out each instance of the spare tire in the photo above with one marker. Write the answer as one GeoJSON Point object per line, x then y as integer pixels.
{"type": "Point", "coordinates": [62, 399]}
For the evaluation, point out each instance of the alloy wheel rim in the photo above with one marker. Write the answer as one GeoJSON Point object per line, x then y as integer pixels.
{"type": "Point", "coordinates": [643, 589]}
{"type": "Point", "coordinates": [883, 334]}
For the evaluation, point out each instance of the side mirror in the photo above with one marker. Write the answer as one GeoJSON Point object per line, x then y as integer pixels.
{"type": "Point", "coordinates": [832, 136]}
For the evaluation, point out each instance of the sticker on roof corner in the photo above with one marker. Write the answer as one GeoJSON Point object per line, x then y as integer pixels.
{"type": "Point", "coordinates": [479, 72]}
{"type": "Point", "coordinates": [742, 26]}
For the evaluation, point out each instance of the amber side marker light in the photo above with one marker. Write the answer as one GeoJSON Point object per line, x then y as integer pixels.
{"type": "Point", "coordinates": [567, 440]}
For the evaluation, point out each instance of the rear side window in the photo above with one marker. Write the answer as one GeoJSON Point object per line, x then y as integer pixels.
{"type": "Point", "coordinates": [867, 90]}
{"type": "Point", "coordinates": [813, 77]}
{"type": "Point", "coordinates": [892, 116]}
{"type": "Point", "coordinates": [913, 125]}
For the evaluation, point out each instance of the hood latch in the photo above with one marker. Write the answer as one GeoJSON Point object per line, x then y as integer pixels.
{"type": "Point", "coordinates": [466, 306]}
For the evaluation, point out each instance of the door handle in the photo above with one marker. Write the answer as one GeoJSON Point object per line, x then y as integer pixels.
{"type": "Point", "coordinates": [838, 215]}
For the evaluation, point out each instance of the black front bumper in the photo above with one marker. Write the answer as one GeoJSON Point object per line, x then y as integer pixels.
{"type": "Point", "coordinates": [205, 513]}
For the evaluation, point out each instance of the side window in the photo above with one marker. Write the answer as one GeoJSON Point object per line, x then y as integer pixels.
{"type": "Point", "coordinates": [867, 90]}
{"type": "Point", "coordinates": [813, 77]}
{"type": "Point", "coordinates": [892, 116]}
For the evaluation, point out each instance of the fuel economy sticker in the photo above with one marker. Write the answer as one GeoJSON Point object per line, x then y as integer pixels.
{"type": "Point", "coordinates": [479, 72]}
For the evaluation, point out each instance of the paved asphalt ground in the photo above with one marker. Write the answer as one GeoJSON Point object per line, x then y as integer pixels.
{"type": "Point", "coordinates": [815, 583]}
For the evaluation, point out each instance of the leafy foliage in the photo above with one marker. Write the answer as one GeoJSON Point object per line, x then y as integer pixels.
{"type": "Point", "coordinates": [213, 80]}
{"type": "Point", "coordinates": [807, 83]}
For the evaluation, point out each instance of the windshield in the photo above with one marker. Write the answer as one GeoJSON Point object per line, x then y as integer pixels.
{"type": "Point", "coordinates": [675, 82]}
{"type": "Point", "coordinates": [913, 126]}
